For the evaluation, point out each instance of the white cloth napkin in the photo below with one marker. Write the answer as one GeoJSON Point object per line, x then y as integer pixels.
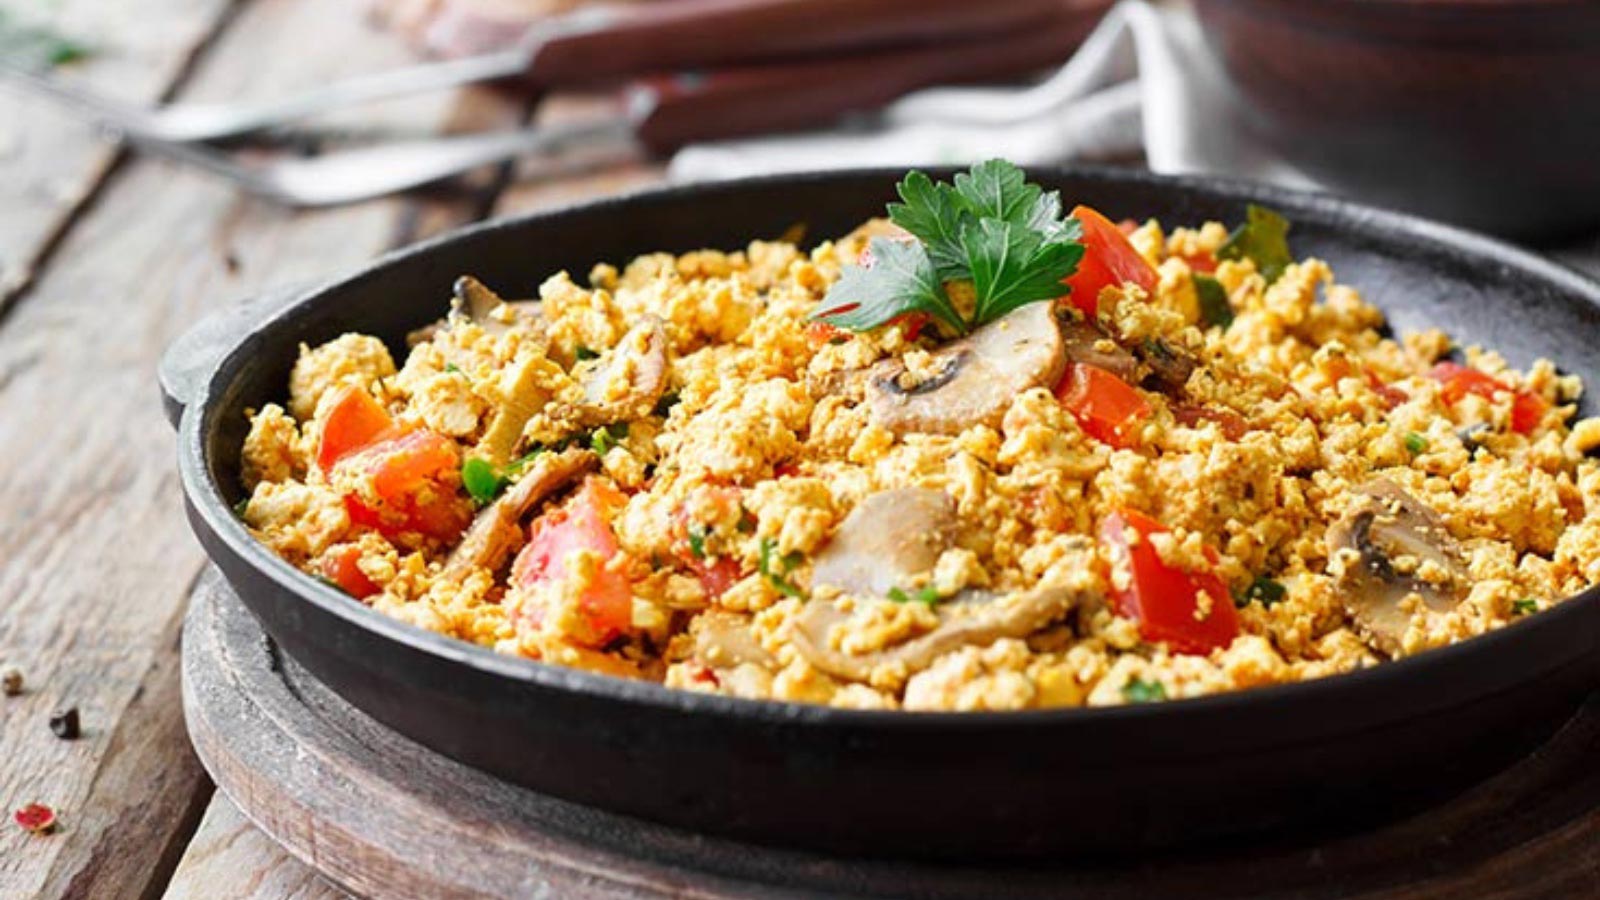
{"type": "Point", "coordinates": [1141, 81]}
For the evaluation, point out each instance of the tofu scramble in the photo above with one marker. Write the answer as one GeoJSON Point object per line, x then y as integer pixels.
{"type": "Point", "coordinates": [682, 471]}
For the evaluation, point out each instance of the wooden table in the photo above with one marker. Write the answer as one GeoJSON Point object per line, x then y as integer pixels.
{"type": "Point", "coordinates": [104, 258]}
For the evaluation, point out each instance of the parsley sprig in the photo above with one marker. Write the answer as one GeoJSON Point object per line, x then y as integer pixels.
{"type": "Point", "coordinates": [991, 228]}
{"type": "Point", "coordinates": [1264, 238]}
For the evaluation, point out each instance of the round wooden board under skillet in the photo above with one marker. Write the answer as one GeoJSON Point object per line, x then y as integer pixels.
{"type": "Point", "coordinates": [384, 817]}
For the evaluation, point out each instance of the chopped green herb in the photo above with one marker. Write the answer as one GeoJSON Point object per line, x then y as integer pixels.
{"type": "Point", "coordinates": [779, 579]}
{"type": "Point", "coordinates": [584, 353]}
{"type": "Point", "coordinates": [1415, 443]}
{"type": "Point", "coordinates": [697, 541]}
{"type": "Point", "coordinates": [1525, 606]}
{"type": "Point", "coordinates": [666, 403]}
{"type": "Point", "coordinates": [481, 480]}
{"type": "Point", "coordinates": [1140, 691]}
{"type": "Point", "coordinates": [452, 368]}
{"type": "Point", "coordinates": [1214, 306]}
{"type": "Point", "coordinates": [1263, 238]}
{"type": "Point", "coordinates": [747, 522]}
{"type": "Point", "coordinates": [35, 46]}
{"type": "Point", "coordinates": [523, 461]}
{"type": "Point", "coordinates": [240, 507]}
{"type": "Point", "coordinates": [1263, 590]}
{"type": "Point", "coordinates": [991, 227]}
{"type": "Point", "coordinates": [928, 595]}
{"type": "Point", "coordinates": [606, 437]}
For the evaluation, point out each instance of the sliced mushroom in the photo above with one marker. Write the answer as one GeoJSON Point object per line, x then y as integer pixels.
{"type": "Point", "coordinates": [1170, 367]}
{"type": "Point", "coordinates": [497, 531]}
{"type": "Point", "coordinates": [724, 640]}
{"type": "Point", "coordinates": [473, 301]}
{"type": "Point", "coordinates": [973, 379]}
{"type": "Point", "coordinates": [888, 538]}
{"type": "Point", "coordinates": [969, 618]}
{"type": "Point", "coordinates": [1088, 345]}
{"type": "Point", "coordinates": [628, 380]}
{"type": "Point", "coordinates": [1404, 551]}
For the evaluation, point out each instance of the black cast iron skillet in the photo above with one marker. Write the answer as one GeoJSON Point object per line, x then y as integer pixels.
{"type": "Point", "coordinates": [1342, 749]}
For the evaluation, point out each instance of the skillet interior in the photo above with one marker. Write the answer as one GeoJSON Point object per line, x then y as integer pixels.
{"type": "Point", "coordinates": [954, 784]}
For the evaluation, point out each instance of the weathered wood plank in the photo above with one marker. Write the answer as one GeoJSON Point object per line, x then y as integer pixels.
{"type": "Point", "coordinates": [53, 162]}
{"type": "Point", "coordinates": [97, 556]}
{"type": "Point", "coordinates": [582, 172]}
{"type": "Point", "coordinates": [230, 859]}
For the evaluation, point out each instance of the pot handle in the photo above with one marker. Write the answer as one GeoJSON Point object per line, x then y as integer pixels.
{"type": "Point", "coordinates": [192, 356]}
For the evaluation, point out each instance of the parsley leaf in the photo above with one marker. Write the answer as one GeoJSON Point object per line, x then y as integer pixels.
{"type": "Point", "coordinates": [776, 576]}
{"type": "Point", "coordinates": [1214, 306]}
{"type": "Point", "coordinates": [1263, 590]}
{"type": "Point", "coordinates": [1525, 606]}
{"type": "Point", "coordinates": [1140, 691]}
{"type": "Point", "coordinates": [1013, 266]}
{"type": "Point", "coordinates": [1415, 443]}
{"type": "Point", "coordinates": [697, 541]}
{"type": "Point", "coordinates": [1264, 238]}
{"type": "Point", "coordinates": [928, 595]}
{"type": "Point", "coordinates": [481, 480]}
{"type": "Point", "coordinates": [902, 279]}
{"type": "Point", "coordinates": [933, 216]}
{"type": "Point", "coordinates": [992, 227]}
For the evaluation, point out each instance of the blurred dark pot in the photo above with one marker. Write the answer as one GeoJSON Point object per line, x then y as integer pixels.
{"type": "Point", "coordinates": [1481, 112]}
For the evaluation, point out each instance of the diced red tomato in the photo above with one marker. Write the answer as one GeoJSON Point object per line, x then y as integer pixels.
{"type": "Point", "coordinates": [412, 474]}
{"type": "Point", "coordinates": [1165, 601]}
{"type": "Point", "coordinates": [911, 323]}
{"type": "Point", "coordinates": [1107, 408]}
{"type": "Point", "coordinates": [717, 575]}
{"type": "Point", "coordinates": [1204, 262]}
{"type": "Point", "coordinates": [1527, 408]}
{"type": "Point", "coordinates": [342, 567]}
{"type": "Point", "coordinates": [354, 421]}
{"type": "Point", "coordinates": [1109, 260]}
{"type": "Point", "coordinates": [819, 333]}
{"type": "Point", "coordinates": [1388, 393]}
{"type": "Point", "coordinates": [1232, 424]}
{"type": "Point", "coordinates": [583, 524]}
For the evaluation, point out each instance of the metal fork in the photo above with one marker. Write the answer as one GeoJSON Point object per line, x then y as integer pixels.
{"type": "Point", "coordinates": [348, 176]}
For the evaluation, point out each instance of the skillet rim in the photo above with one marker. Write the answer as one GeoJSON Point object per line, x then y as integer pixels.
{"type": "Point", "coordinates": [200, 414]}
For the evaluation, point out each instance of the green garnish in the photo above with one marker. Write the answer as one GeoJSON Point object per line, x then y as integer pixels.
{"type": "Point", "coordinates": [928, 595]}
{"type": "Point", "coordinates": [606, 437]}
{"type": "Point", "coordinates": [481, 480]}
{"type": "Point", "coordinates": [1140, 691]}
{"type": "Point", "coordinates": [1264, 238]}
{"type": "Point", "coordinates": [1525, 606]}
{"type": "Point", "coordinates": [1263, 590]}
{"type": "Point", "coordinates": [452, 368]}
{"type": "Point", "coordinates": [992, 228]}
{"type": "Point", "coordinates": [697, 541]}
{"type": "Point", "coordinates": [664, 406]}
{"type": "Point", "coordinates": [776, 576]}
{"type": "Point", "coordinates": [1214, 306]}
{"type": "Point", "coordinates": [240, 507]}
{"type": "Point", "coordinates": [35, 46]}
{"type": "Point", "coordinates": [584, 354]}
{"type": "Point", "coordinates": [1415, 443]}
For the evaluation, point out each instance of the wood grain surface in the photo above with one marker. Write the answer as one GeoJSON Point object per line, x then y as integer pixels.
{"type": "Point", "coordinates": [104, 258]}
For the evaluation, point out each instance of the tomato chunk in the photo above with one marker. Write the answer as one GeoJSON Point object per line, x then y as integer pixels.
{"type": "Point", "coordinates": [1109, 260]}
{"type": "Point", "coordinates": [1107, 408]}
{"type": "Point", "coordinates": [413, 476]}
{"type": "Point", "coordinates": [583, 524]}
{"type": "Point", "coordinates": [354, 421]}
{"type": "Point", "coordinates": [1527, 408]}
{"type": "Point", "coordinates": [716, 576]}
{"type": "Point", "coordinates": [1165, 601]}
{"type": "Point", "coordinates": [342, 567]}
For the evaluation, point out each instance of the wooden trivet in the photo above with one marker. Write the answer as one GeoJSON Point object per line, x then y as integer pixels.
{"type": "Point", "coordinates": [385, 817]}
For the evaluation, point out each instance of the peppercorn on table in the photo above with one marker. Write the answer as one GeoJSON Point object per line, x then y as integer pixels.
{"type": "Point", "coordinates": [103, 260]}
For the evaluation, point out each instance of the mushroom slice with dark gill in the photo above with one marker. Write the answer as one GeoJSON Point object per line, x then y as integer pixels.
{"type": "Point", "coordinates": [1087, 345]}
{"type": "Point", "coordinates": [497, 531]}
{"type": "Point", "coordinates": [969, 618]}
{"type": "Point", "coordinates": [723, 640]}
{"type": "Point", "coordinates": [887, 539]}
{"type": "Point", "coordinates": [629, 379]}
{"type": "Point", "coordinates": [972, 380]}
{"type": "Point", "coordinates": [1404, 550]}
{"type": "Point", "coordinates": [473, 301]}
